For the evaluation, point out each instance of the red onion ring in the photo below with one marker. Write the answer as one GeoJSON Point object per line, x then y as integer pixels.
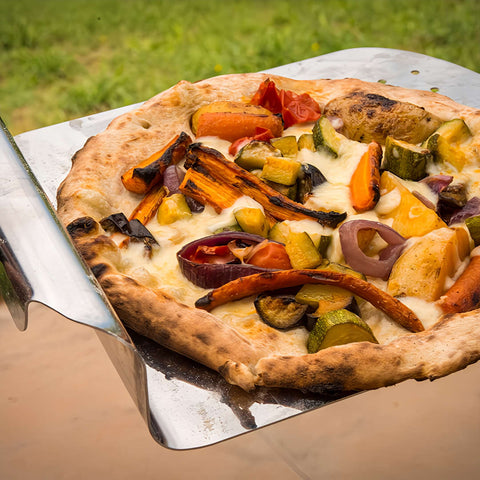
{"type": "Point", "coordinates": [357, 259]}
{"type": "Point", "coordinates": [209, 275]}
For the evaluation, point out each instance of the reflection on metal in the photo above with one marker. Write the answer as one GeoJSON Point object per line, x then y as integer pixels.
{"type": "Point", "coordinates": [184, 404]}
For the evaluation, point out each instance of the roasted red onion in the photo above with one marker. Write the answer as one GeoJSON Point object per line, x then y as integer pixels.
{"type": "Point", "coordinates": [361, 262]}
{"type": "Point", "coordinates": [172, 178]}
{"type": "Point", "coordinates": [471, 209]}
{"type": "Point", "coordinates": [437, 183]}
{"type": "Point", "coordinates": [209, 275]}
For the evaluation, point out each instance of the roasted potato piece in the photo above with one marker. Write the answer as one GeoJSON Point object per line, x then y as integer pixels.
{"type": "Point", "coordinates": [368, 116]}
{"type": "Point", "coordinates": [422, 270]}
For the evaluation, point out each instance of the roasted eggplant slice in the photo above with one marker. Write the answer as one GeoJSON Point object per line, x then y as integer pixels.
{"type": "Point", "coordinates": [280, 311]}
{"type": "Point", "coordinates": [254, 155]}
{"type": "Point", "coordinates": [309, 177]}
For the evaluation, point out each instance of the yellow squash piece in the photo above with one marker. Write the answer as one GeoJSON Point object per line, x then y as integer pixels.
{"type": "Point", "coordinates": [173, 208]}
{"type": "Point", "coordinates": [411, 217]}
{"type": "Point", "coordinates": [422, 270]}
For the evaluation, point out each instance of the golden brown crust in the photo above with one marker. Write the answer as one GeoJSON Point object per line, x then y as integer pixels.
{"type": "Point", "coordinates": [93, 190]}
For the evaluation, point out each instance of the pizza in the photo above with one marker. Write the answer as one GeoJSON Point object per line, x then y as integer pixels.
{"type": "Point", "coordinates": [319, 235]}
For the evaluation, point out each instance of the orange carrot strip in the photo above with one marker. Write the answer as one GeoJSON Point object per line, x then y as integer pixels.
{"type": "Point", "coordinates": [464, 294]}
{"type": "Point", "coordinates": [365, 181]}
{"type": "Point", "coordinates": [149, 172]}
{"type": "Point", "coordinates": [269, 281]}
{"type": "Point", "coordinates": [147, 208]}
{"type": "Point", "coordinates": [234, 125]}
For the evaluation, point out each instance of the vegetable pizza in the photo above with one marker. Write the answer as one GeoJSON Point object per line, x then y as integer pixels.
{"type": "Point", "coordinates": [320, 235]}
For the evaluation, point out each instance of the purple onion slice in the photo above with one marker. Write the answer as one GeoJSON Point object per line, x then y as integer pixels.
{"type": "Point", "coordinates": [361, 262]}
{"type": "Point", "coordinates": [210, 275]}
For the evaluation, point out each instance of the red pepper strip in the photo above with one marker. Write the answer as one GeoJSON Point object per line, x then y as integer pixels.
{"type": "Point", "coordinates": [261, 134]}
{"type": "Point", "coordinates": [293, 107]}
{"type": "Point", "coordinates": [218, 254]}
{"type": "Point", "coordinates": [269, 281]}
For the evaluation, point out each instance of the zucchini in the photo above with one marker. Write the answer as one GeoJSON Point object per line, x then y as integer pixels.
{"type": "Point", "coordinates": [289, 191]}
{"type": "Point", "coordinates": [173, 208]}
{"type": "Point", "coordinates": [287, 145]}
{"type": "Point", "coordinates": [281, 170]}
{"type": "Point", "coordinates": [253, 155]}
{"type": "Point", "coordinates": [302, 251]}
{"type": "Point", "coordinates": [325, 298]}
{"type": "Point", "coordinates": [252, 220]}
{"type": "Point", "coordinates": [306, 141]}
{"type": "Point", "coordinates": [473, 225]}
{"type": "Point", "coordinates": [445, 152]}
{"type": "Point", "coordinates": [338, 327]}
{"type": "Point", "coordinates": [279, 232]}
{"type": "Point", "coordinates": [454, 131]}
{"type": "Point", "coordinates": [280, 311]}
{"type": "Point", "coordinates": [326, 138]}
{"type": "Point", "coordinates": [406, 160]}
{"type": "Point", "coordinates": [309, 177]}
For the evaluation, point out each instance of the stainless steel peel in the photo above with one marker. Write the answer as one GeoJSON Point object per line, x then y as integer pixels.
{"type": "Point", "coordinates": [184, 404]}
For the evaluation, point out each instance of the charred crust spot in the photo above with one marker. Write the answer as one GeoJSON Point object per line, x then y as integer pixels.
{"type": "Point", "coordinates": [203, 337]}
{"type": "Point", "coordinates": [100, 269]}
{"type": "Point", "coordinates": [82, 226]}
{"type": "Point", "coordinates": [370, 113]}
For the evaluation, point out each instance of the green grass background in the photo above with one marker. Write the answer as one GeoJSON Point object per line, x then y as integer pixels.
{"type": "Point", "coordinates": [65, 59]}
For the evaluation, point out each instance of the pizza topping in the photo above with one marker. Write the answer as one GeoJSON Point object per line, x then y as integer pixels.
{"type": "Point", "coordinates": [365, 181]}
{"type": "Point", "coordinates": [280, 311]}
{"type": "Point", "coordinates": [437, 182]}
{"type": "Point", "coordinates": [252, 220]}
{"type": "Point", "coordinates": [142, 177]}
{"type": "Point", "coordinates": [464, 294]}
{"type": "Point", "coordinates": [473, 225]}
{"type": "Point", "coordinates": [338, 328]}
{"type": "Point", "coordinates": [232, 125]}
{"type": "Point", "coordinates": [471, 209]}
{"type": "Point", "coordinates": [252, 156]}
{"type": "Point", "coordinates": [293, 107]}
{"type": "Point", "coordinates": [148, 207]}
{"type": "Point", "coordinates": [326, 138]}
{"type": "Point", "coordinates": [405, 160]}
{"type": "Point", "coordinates": [134, 229]}
{"type": "Point", "coordinates": [274, 280]}
{"type": "Point", "coordinates": [369, 116]}
{"type": "Point", "coordinates": [213, 179]}
{"type": "Point", "coordinates": [210, 262]}
{"type": "Point", "coordinates": [172, 179]}
{"type": "Point", "coordinates": [361, 262]}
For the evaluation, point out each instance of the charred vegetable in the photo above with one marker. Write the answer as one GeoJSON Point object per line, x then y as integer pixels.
{"type": "Point", "coordinates": [280, 311]}
{"type": "Point", "coordinates": [309, 177]}
{"type": "Point", "coordinates": [368, 116]}
{"type": "Point", "coordinates": [213, 179]}
{"type": "Point", "coordinates": [142, 177]}
{"type": "Point", "coordinates": [473, 225]}
{"type": "Point", "coordinates": [302, 251]}
{"type": "Point", "coordinates": [281, 170]}
{"type": "Point", "coordinates": [254, 154]}
{"type": "Point", "coordinates": [325, 298]}
{"type": "Point", "coordinates": [338, 327]}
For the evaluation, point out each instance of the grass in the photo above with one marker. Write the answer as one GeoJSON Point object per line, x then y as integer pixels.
{"type": "Point", "coordinates": [65, 59]}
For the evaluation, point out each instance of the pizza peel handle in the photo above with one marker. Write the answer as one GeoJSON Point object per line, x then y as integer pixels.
{"type": "Point", "coordinates": [37, 260]}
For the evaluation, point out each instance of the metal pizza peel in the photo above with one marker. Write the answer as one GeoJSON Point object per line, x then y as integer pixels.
{"type": "Point", "coordinates": [184, 404]}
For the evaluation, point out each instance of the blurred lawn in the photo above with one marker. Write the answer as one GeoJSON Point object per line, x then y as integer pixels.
{"type": "Point", "coordinates": [64, 59]}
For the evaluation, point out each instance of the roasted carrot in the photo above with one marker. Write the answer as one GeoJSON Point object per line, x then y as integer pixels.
{"type": "Point", "coordinates": [464, 294]}
{"type": "Point", "coordinates": [269, 281]}
{"type": "Point", "coordinates": [222, 173]}
{"type": "Point", "coordinates": [149, 172]}
{"type": "Point", "coordinates": [147, 208]}
{"type": "Point", "coordinates": [234, 125]}
{"type": "Point", "coordinates": [365, 181]}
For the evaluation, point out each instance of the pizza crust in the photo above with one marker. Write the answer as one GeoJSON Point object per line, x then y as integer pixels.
{"type": "Point", "coordinates": [93, 190]}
